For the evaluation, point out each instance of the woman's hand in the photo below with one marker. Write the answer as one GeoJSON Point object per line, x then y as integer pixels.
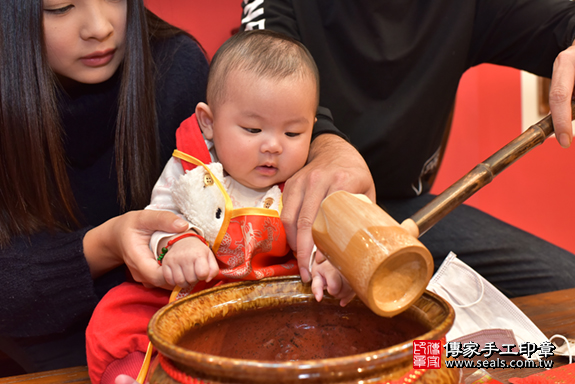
{"type": "Point", "coordinates": [333, 165]}
{"type": "Point", "coordinates": [125, 240]}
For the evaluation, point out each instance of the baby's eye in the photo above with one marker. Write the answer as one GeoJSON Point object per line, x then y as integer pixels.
{"type": "Point", "coordinates": [292, 134]}
{"type": "Point", "coordinates": [252, 130]}
{"type": "Point", "coordinates": [59, 11]}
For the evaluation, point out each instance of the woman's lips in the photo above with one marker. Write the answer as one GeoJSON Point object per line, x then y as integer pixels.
{"type": "Point", "coordinates": [98, 59]}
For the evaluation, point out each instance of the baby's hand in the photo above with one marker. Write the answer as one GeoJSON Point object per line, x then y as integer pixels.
{"type": "Point", "coordinates": [189, 261]}
{"type": "Point", "coordinates": [325, 275]}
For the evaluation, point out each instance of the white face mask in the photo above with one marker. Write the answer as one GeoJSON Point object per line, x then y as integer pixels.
{"type": "Point", "coordinates": [482, 313]}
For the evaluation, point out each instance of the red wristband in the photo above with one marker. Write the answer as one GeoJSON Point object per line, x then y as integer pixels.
{"type": "Point", "coordinates": [176, 239]}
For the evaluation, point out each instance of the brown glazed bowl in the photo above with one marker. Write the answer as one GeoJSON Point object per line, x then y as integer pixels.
{"type": "Point", "coordinates": [394, 363]}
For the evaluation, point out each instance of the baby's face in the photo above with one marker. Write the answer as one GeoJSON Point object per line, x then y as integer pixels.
{"type": "Point", "coordinates": [262, 131]}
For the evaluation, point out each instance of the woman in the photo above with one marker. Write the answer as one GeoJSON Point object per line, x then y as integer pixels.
{"type": "Point", "coordinates": [91, 93]}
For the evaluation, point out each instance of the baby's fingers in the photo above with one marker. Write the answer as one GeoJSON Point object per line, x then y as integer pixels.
{"type": "Point", "coordinates": [334, 283]}
{"type": "Point", "coordinates": [201, 269]}
{"type": "Point", "coordinates": [338, 287]}
{"type": "Point", "coordinates": [168, 275]}
{"type": "Point", "coordinates": [180, 277]}
{"type": "Point", "coordinates": [318, 284]}
{"type": "Point", "coordinates": [214, 267]}
{"type": "Point", "coordinates": [346, 299]}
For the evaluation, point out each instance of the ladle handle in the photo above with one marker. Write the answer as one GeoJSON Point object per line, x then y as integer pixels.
{"type": "Point", "coordinates": [483, 173]}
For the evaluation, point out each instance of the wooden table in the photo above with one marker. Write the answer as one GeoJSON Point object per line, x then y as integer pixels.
{"type": "Point", "coordinates": [76, 375]}
{"type": "Point", "coordinates": [552, 312]}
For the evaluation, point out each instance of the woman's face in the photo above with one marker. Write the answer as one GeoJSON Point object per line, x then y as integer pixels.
{"type": "Point", "coordinates": [85, 39]}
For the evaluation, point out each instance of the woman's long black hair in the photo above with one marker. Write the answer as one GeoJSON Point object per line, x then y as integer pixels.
{"type": "Point", "coordinates": [35, 192]}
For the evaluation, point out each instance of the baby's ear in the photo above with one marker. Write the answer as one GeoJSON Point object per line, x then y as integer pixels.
{"type": "Point", "coordinates": [205, 119]}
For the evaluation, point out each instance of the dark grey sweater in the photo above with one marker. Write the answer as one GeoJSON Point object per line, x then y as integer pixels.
{"type": "Point", "coordinates": [48, 292]}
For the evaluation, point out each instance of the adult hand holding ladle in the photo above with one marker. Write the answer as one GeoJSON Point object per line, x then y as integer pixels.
{"type": "Point", "coordinates": [383, 261]}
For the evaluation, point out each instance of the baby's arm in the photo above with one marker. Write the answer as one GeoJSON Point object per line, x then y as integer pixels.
{"type": "Point", "coordinates": [162, 200]}
{"type": "Point", "coordinates": [326, 276]}
{"type": "Point", "coordinates": [188, 261]}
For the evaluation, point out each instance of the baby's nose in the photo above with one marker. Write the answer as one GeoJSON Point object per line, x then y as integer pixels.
{"type": "Point", "coordinates": [272, 146]}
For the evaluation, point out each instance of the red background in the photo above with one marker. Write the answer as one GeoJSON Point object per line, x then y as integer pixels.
{"type": "Point", "coordinates": [533, 194]}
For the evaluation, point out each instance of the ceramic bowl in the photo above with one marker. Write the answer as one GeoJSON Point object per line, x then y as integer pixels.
{"type": "Point", "coordinates": [392, 364]}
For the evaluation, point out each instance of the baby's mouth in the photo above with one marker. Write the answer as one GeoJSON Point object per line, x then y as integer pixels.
{"type": "Point", "coordinates": [267, 169]}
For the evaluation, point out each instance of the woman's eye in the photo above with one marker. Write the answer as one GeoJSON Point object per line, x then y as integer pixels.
{"type": "Point", "coordinates": [59, 11]}
{"type": "Point", "coordinates": [292, 134]}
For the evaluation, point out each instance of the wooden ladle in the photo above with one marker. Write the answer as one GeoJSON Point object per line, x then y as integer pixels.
{"type": "Point", "coordinates": [383, 261]}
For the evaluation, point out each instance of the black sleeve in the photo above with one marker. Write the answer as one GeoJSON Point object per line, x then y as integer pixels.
{"type": "Point", "coordinates": [324, 124]}
{"type": "Point", "coordinates": [46, 284]}
{"type": "Point", "coordinates": [278, 15]}
{"type": "Point", "coordinates": [182, 73]}
{"type": "Point", "coordinates": [524, 34]}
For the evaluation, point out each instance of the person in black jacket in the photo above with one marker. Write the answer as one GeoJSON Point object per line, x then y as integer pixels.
{"type": "Point", "coordinates": [389, 75]}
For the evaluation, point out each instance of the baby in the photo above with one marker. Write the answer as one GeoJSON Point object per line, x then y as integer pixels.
{"type": "Point", "coordinates": [262, 96]}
